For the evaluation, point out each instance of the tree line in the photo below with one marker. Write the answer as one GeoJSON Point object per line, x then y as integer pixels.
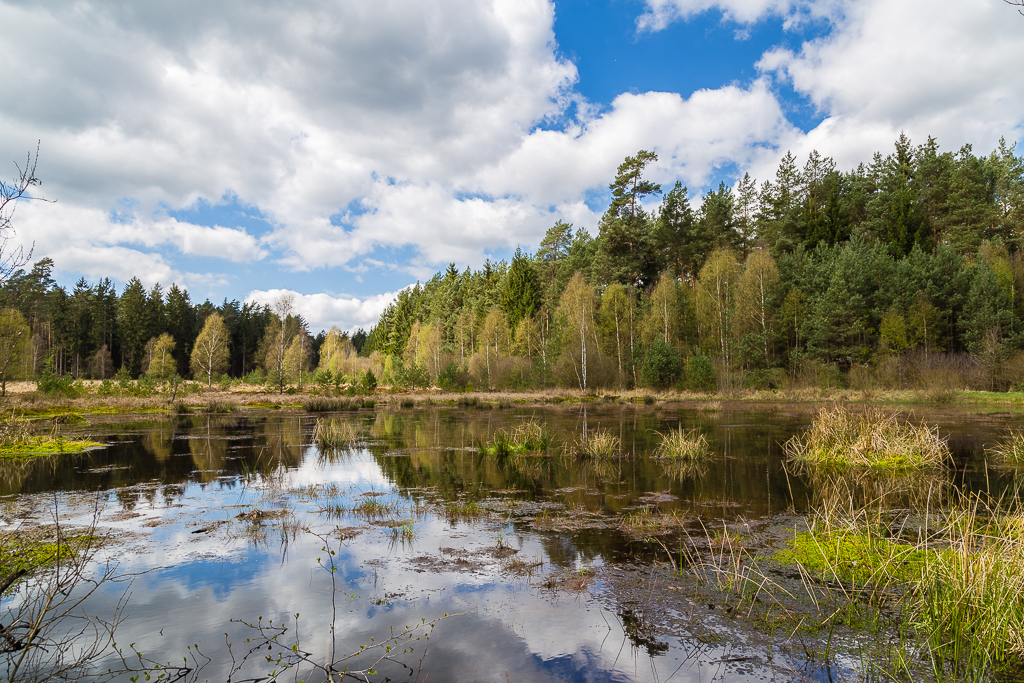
{"type": "Point", "coordinates": [905, 269]}
{"type": "Point", "coordinates": [95, 332]}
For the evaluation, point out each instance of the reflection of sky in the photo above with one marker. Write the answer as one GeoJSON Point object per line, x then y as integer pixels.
{"type": "Point", "coordinates": [190, 586]}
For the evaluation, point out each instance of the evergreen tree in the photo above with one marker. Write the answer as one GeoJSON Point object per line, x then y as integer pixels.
{"type": "Point", "coordinates": [520, 295]}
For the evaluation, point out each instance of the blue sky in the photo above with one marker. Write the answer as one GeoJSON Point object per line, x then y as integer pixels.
{"type": "Point", "coordinates": [341, 151]}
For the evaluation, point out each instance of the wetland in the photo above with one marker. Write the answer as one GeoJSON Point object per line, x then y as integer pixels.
{"type": "Point", "coordinates": [290, 546]}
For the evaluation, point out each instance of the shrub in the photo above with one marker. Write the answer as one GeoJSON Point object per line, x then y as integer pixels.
{"type": "Point", "coordinates": [369, 381]}
{"type": "Point", "coordinates": [700, 373]}
{"type": "Point", "coordinates": [417, 376]}
{"type": "Point", "coordinates": [52, 384]}
{"type": "Point", "coordinates": [662, 366]}
{"type": "Point", "coordinates": [449, 378]}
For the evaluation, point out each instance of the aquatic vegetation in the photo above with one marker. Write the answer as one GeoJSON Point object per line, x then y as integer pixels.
{"type": "Point", "coordinates": [839, 438]}
{"type": "Point", "coordinates": [1010, 450]}
{"type": "Point", "coordinates": [334, 433]}
{"type": "Point", "coordinates": [683, 445]}
{"type": "Point", "coordinates": [645, 522]}
{"type": "Point", "coordinates": [215, 406]}
{"type": "Point", "coordinates": [529, 436]}
{"type": "Point", "coordinates": [598, 443]}
{"type": "Point", "coordinates": [462, 509]}
{"type": "Point", "coordinates": [330, 404]}
{"type": "Point", "coordinates": [17, 441]}
{"type": "Point", "coordinates": [709, 407]}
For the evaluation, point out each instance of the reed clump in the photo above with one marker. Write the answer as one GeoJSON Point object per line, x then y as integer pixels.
{"type": "Point", "coordinates": [334, 433]}
{"type": "Point", "coordinates": [678, 444]}
{"type": "Point", "coordinates": [1010, 450]}
{"type": "Point", "coordinates": [839, 438]}
{"type": "Point", "coordinates": [599, 443]}
{"type": "Point", "coordinates": [526, 437]}
{"type": "Point", "coordinates": [330, 404]}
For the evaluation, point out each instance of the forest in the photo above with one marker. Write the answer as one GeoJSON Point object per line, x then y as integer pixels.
{"type": "Point", "coordinates": [904, 272]}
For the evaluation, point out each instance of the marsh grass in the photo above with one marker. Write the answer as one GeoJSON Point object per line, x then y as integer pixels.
{"type": "Point", "coordinates": [599, 443]}
{"type": "Point", "coordinates": [215, 406]}
{"type": "Point", "coordinates": [643, 523]}
{"type": "Point", "coordinates": [683, 445]}
{"type": "Point", "coordinates": [17, 440]}
{"type": "Point", "coordinates": [1010, 450]}
{"type": "Point", "coordinates": [462, 509]}
{"type": "Point", "coordinates": [955, 596]}
{"type": "Point", "coordinates": [330, 404]}
{"type": "Point", "coordinates": [526, 437]}
{"type": "Point", "coordinates": [335, 433]}
{"type": "Point", "coordinates": [709, 407]}
{"type": "Point", "coordinates": [876, 439]}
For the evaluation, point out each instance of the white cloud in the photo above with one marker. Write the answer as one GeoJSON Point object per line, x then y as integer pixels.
{"type": "Point", "coordinates": [661, 13]}
{"type": "Point", "coordinates": [323, 311]}
{"type": "Point", "coordinates": [936, 68]}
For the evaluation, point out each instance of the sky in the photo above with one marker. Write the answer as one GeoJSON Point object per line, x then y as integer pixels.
{"type": "Point", "coordinates": [342, 150]}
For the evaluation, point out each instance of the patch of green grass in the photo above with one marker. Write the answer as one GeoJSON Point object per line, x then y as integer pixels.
{"type": "Point", "coordinates": [855, 556]}
{"type": "Point", "coordinates": [526, 437]}
{"type": "Point", "coordinates": [44, 445]}
{"type": "Point", "coordinates": [838, 438]}
{"type": "Point", "coordinates": [683, 445]}
{"type": "Point", "coordinates": [29, 552]}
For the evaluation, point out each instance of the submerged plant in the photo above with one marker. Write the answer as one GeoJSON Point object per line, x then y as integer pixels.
{"type": "Point", "coordinates": [683, 445]}
{"type": "Point", "coordinates": [839, 438]}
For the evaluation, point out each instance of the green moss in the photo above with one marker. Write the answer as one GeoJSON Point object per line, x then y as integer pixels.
{"type": "Point", "coordinates": [28, 553]}
{"type": "Point", "coordinates": [854, 556]}
{"type": "Point", "coordinates": [44, 445]}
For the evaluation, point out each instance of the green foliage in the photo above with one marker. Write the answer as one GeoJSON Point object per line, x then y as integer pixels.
{"type": "Point", "coordinates": [662, 366]}
{"type": "Point", "coordinates": [520, 295]}
{"type": "Point", "coordinates": [416, 376]}
{"type": "Point", "coordinates": [700, 373]}
{"type": "Point", "coordinates": [52, 384]}
{"type": "Point", "coordinates": [450, 378]}
{"type": "Point", "coordinates": [369, 381]}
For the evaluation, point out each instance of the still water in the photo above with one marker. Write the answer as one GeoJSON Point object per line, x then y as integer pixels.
{"type": "Point", "coordinates": [220, 520]}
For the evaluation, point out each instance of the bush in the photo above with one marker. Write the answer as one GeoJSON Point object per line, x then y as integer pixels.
{"type": "Point", "coordinates": [369, 381]}
{"type": "Point", "coordinates": [417, 376]}
{"type": "Point", "coordinates": [450, 379]}
{"type": "Point", "coordinates": [661, 367]}
{"type": "Point", "coordinates": [700, 373]}
{"type": "Point", "coordinates": [52, 384]}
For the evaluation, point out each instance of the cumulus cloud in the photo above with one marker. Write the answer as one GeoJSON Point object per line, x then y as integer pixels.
{"type": "Point", "coordinates": [323, 311]}
{"type": "Point", "coordinates": [413, 126]}
{"type": "Point", "coordinates": [935, 68]}
{"type": "Point", "coordinates": [661, 13]}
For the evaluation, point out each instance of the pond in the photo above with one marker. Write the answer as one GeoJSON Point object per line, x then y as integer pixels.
{"type": "Point", "coordinates": [548, 567]}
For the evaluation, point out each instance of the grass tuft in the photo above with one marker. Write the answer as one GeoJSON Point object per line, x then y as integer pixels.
{"type": "Point", "coordinates": [599, 443]}
{"type": "Point", "coordinates": [683, 445]}
{"type": "Point", "coordinates": [1010, 450]}
{"type": "Point", "coordinates": [838, 438]}
{"type": "Point", "coordinates": [334, 433]}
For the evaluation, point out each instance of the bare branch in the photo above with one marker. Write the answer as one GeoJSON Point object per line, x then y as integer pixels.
{"type": "Point", "coordinates": [14, 257]}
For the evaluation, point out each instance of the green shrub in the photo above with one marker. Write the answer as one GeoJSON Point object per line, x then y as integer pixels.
{"type": "Point", "coordinates": [52, 384]}
{"type": "Point", "coordinates": [450, 379]}
{"type": "Point", "coordinates": [700, 373]}
{"type": "Point", "coordinates": [417, 376]}
{"type": "Point", "coordinates": [661, 367]}
{"type": "Point", "coordinates": [369, 381]}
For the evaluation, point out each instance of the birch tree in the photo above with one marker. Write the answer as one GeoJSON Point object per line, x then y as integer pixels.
{"type": "Point", "coordinates": [577, 304]}
{"type": "Point", "coordinates": [210, 352]}
{"type": "Point", "coordinates": [716, 299]}
{"type": "Point", "coordinates": [756, 287]}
